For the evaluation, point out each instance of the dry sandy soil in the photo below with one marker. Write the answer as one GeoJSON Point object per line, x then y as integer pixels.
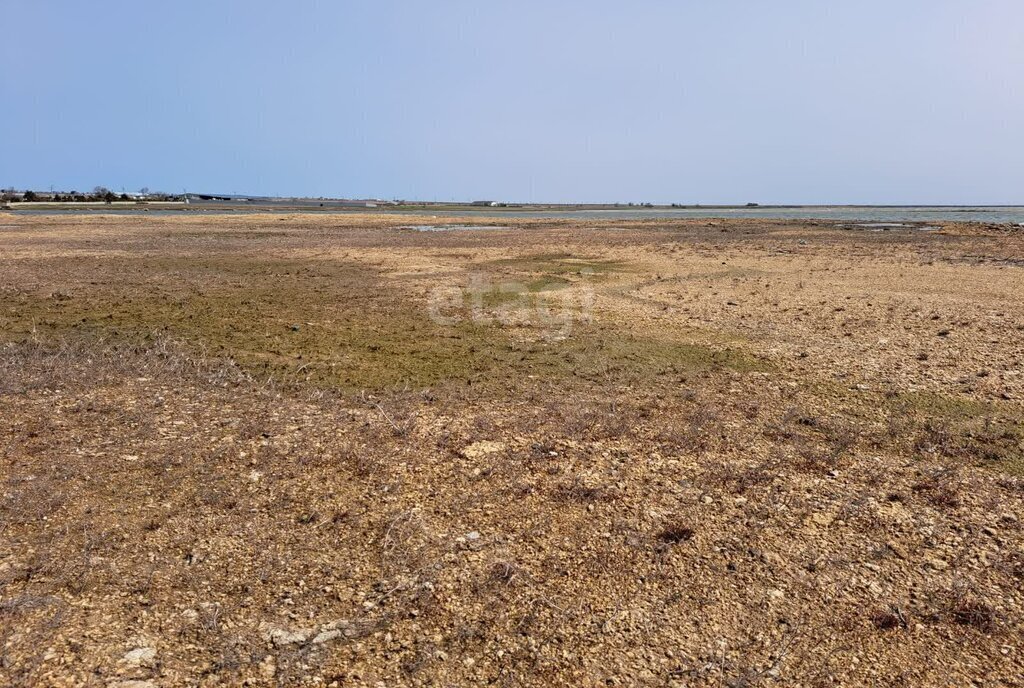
{"type": "Point", "coordinates": [325, 450]}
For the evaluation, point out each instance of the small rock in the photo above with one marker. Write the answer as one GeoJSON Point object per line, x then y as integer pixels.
{"type": "Point", "coordinates": [282, 636]}
{"type": "Point", "coordinates": [268, 667]}
{"type": "Point", "coordinates": [819, 518]}
{"type": "Point", "coordinates": [344, 627]}
{"type": "Point", "coordinates": [474, 535]}
{"type": "Point", "coordinates": [478, 449]}
{"type": "Point", "coordinates": [140, 657]}
{"type": "Point", "coordinates": [132, 684]}
{"type": "Point", "coordinates": [326, 637]}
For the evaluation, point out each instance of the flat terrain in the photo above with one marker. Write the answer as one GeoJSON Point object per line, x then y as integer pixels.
{"type": "Point", "coordinates": [327, 450]}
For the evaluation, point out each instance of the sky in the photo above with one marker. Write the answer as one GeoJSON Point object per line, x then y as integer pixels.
{"type": "Point", "coordinates": [692, 101]}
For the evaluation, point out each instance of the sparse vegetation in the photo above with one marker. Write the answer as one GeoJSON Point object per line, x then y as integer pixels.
{"type": "Point", "coordinates": [240, 450]}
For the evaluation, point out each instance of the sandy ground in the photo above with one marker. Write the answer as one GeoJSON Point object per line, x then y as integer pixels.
{"type": "Point", "coordinates": [326, 450]}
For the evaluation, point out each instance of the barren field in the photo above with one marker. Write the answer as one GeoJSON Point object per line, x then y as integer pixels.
{"type": "Point", "coordinates": [276, 450]}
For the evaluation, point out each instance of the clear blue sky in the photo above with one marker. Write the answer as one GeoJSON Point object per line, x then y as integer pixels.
{"type": "Point", "coordinates": [814, 101]}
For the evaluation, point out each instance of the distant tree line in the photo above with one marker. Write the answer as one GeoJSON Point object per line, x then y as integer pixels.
{"type": "Point", "coordinates": [99, 194]}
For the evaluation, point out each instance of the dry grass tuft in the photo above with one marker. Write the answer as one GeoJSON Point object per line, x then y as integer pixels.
{"type": "Point", "coordinates": [967, 610]}
{"type": "Point", "coordinates": [940, 487]}
{"type": "Point", "coordinates": [888, 619]}
{"type": "Point", "coordinates": [674, 533]}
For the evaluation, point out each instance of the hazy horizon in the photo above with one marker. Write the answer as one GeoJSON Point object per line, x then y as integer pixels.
{"type": "Point", "coordinates": [789, 103]}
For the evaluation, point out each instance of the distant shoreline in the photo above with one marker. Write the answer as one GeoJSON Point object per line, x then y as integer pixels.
{"type": "Point", "coordinates": [894, 215]}
{"type": "Point", "coordinates": [359, 206]}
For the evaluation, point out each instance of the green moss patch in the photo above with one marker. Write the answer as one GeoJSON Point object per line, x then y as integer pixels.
{"type": "Point", "coordinates": [335, 323]}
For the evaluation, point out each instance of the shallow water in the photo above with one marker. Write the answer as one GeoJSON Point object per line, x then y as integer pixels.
{"type": "Point", "coordinates": [886, 226]}
{"type": "Point", "coordinates": [447, 228]}
{"type": "Point", "coordinates": [858, 215]}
